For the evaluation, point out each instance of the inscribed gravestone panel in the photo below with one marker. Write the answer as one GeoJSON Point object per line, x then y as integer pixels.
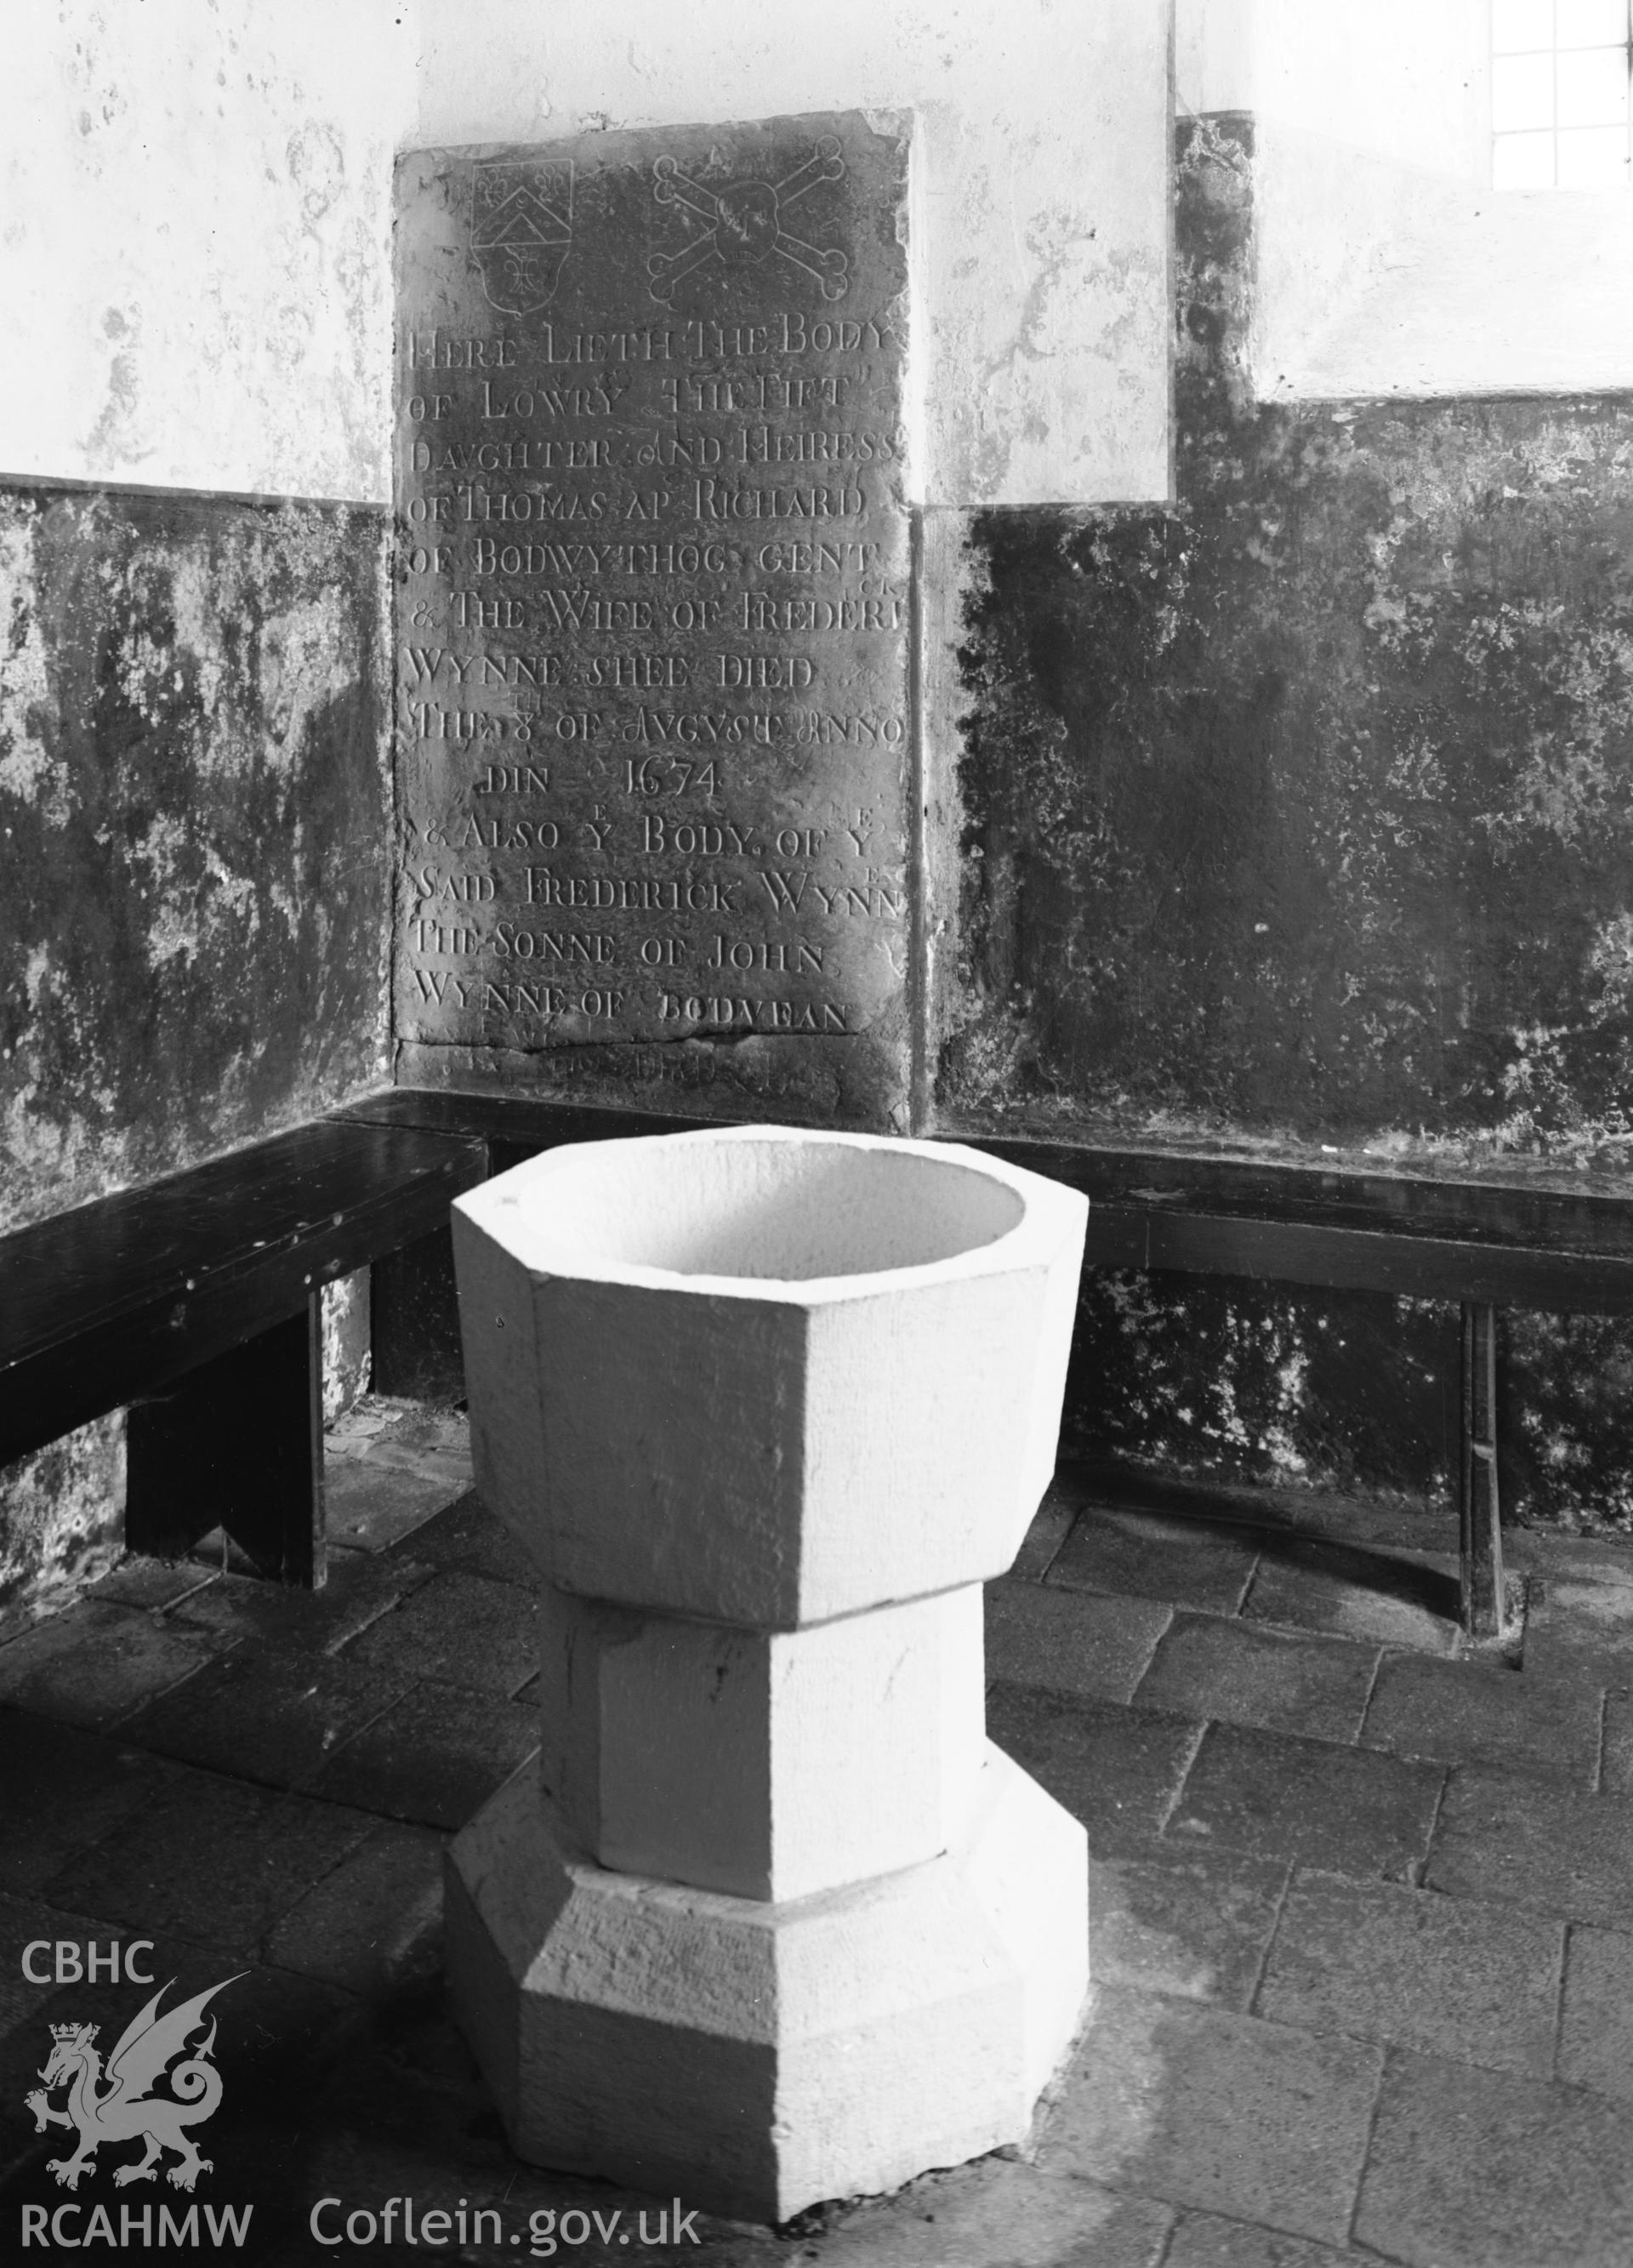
{"type": "Point", "coordinates": [653, 598]}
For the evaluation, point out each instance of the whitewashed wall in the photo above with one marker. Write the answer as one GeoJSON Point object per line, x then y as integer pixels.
{"type": "Point", "coordinates": [195, 229]}
{"type": "Point", "coordinates": [195, 212]}
{"type": "Point", "coordinates": [1042, 244]}
{"type": "Point", "coordinates": [193, 244]}
{"type": "Point", "coordinates": [1386, 262]}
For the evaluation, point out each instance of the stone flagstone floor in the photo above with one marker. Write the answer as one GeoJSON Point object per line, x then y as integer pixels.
{"type": "Point", "coordinates": [1362, 1921]}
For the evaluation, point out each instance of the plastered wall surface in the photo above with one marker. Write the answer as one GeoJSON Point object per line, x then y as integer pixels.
{"type": "Point", "coordinates": [1040, 233]}
{"type": "Point", "coordinates": [194, 233]}
{"type": "Point", "coordinates": [1387, 264]}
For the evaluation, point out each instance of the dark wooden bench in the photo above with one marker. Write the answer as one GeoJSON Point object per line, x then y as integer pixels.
{"type": "Point", "coordinates": [1482, 1244]}
{"type": "Point", "coordinates": [196, 1301]}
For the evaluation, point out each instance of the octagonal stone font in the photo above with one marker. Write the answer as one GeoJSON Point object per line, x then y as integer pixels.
{"type": "Point", "coordinates": [754, 2058]}
{"type": "Point", "coordinates": [770, 1764]}
{"type": "Point", "coordinates": [769, 1920]}
{"type": "Point", "coordinates": [765, 1375]}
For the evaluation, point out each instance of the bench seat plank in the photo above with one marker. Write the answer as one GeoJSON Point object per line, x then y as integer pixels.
{"type": "Point", "coordinates": [1455, 1240]}
{"type": "Point", "coordinates": [520, 1121]}
{"type": "Point", "coordinates": [120, 1298]}
{"type": "Point", "coordinates": [1482, 1241]}
{"type": "Point", "coordinates": [1497, 1242]}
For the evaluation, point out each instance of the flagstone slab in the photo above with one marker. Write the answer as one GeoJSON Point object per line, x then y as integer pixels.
{"type": "Point", "coordinates": [250, 1854]}
{"type": "Point", "coordinates": [1345, 1592]}
{"type": "Point", "coordinates": [1504, 1836]}
{"type": "Point", "coordinates": [1467, 1713]}
{"type": "Point", "coordinates": [1447, 1975]}
{"type": "Point", "coordinates": [1212, 1665]}
{"type": "Point", "coordinates": [998, 2215]}
{"type": "Point", "coordinates": [95, 1664]}
{"type": "Point", "coordinates": [1202, 2240]}
{"type": "Point", "coordinates": [433, 1758]}
{"type": "Point", "coordinates": [261, 1714]}
{"type": "Point", "coordinates": [1207, 2108]}
{"type": "Point", "coordinates": [1195, 1925]}
{"type": "Point", "coordinates": [1473, 2169]}
{"type": "Point", "coordinates": [60, 1789]}
{"type": "Point", "coordinates": [1118, 1770]}
{"type": "Point", "coordinates": [462, 1629]}
{"type": "Point", "coordinates": [1354, 1811]}
{"type": "Point", "coordinates": [1071, 1641]}
{"type": "Point", "coordinates": [1205, 1565]}
{"type": "Point", "coordinates": [1596, 2020]}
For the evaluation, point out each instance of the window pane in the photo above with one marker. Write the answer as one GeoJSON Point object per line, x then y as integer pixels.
{"type": "Point", "coordinates": [1592, 23]}
{"type": "Point", "coordinates": [1594, 157]}
{"type": "Point", "coordinates": [1522, 92]}
{"type": "Point", "coordinates": [1521, 23]}
{"type": "Point", "coordinates": [1593, 87]}
{"type": "Point", "coordinates": [1522, 161]}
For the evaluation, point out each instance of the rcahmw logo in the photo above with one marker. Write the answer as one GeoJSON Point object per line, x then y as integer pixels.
{"type": "Point", "coordinates": [115, 2103]}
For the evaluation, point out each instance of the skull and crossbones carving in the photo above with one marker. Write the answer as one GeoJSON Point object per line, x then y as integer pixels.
{"type": "Point", "coordinates": [745, 222]}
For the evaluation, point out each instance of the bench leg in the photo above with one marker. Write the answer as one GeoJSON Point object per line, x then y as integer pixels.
{"type": "Point", "coordinates": [1480, 1522]}
{"type": "Point", "coordinates": [238, 1445]}
{"type": "Point", "coordinates": [414, 1321]}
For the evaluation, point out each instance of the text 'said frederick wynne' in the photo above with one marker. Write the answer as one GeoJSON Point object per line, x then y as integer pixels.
{"type": "Point", "coordinates": [653, 606]}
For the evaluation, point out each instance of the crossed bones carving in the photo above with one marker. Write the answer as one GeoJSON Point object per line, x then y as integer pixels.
{"type": "Point", "coordinates": [747, 222]}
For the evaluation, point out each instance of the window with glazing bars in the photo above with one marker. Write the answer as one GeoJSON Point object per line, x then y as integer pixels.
{"type": "Point", "coordinates": [1560, 72]}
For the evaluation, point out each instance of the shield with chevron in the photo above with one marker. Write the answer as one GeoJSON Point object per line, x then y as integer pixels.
{"type": "Point", "coordinates": [521, 230]}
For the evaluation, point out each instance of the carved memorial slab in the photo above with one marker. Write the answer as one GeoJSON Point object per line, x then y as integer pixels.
{"type": "Point", "coordinates": [653, 616]}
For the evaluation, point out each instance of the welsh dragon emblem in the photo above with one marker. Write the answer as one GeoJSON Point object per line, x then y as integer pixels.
{"type": "Point", "coordinates": [146, 2046]}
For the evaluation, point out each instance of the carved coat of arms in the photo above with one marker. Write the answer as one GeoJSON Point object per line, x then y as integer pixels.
{"type": "Point", "coordinates": [521, 230]}
{"type": "Point", "coordinates": [744, 221]}
{"type": "Point", "coordinates": [113, 2104]}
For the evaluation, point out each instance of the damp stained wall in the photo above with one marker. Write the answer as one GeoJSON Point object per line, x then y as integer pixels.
{"type": "Point", "coordinates": [193, 816]}
{"type": "Point", "coordinates": [195, 426]}
{"type": "Point", "coordinates": [193, 783]}
{"type": "Point", "coordinates": [1303, 812]}
{"type": "Point", "coordinates": [1299, 817]}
